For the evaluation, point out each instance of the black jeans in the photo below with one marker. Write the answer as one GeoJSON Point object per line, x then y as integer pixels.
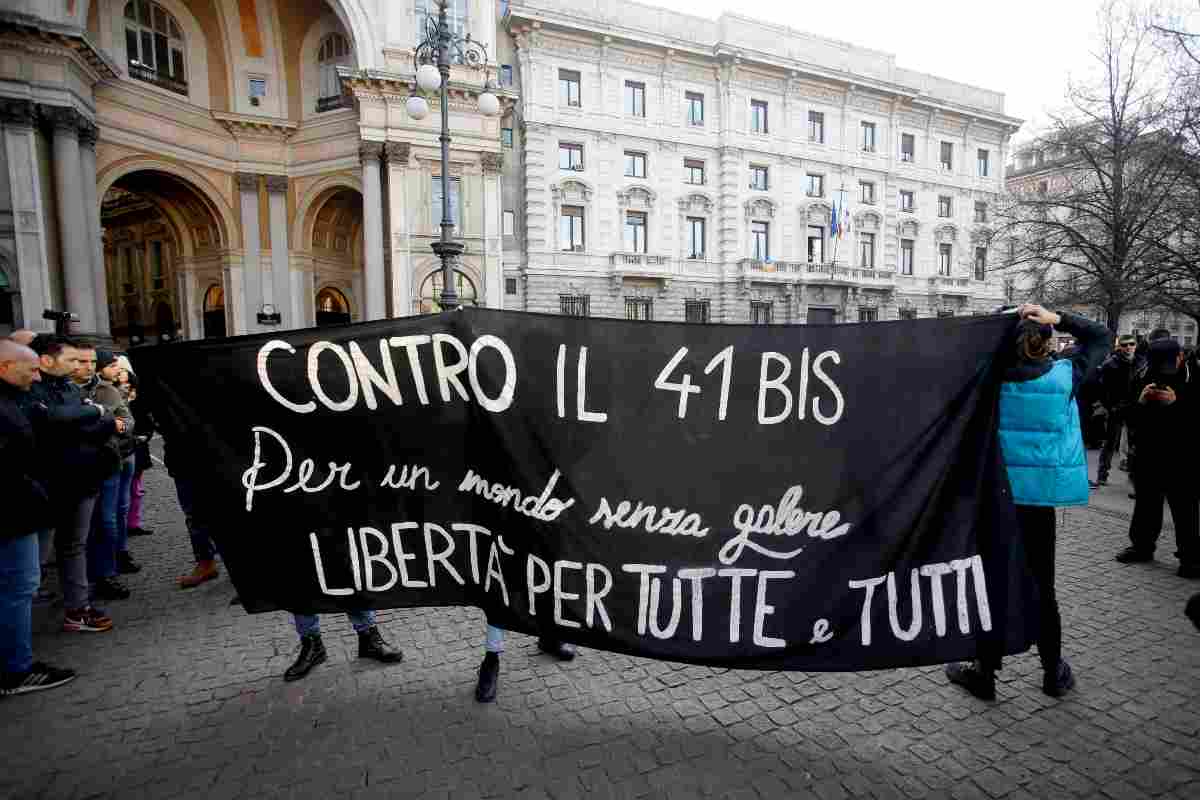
{"type": "Point", "coordinates": [1154, 488]}
{"type": "Point", "coordinates": [1112, 442]}
{"type": "Point", "coordinates": [1038, 528]}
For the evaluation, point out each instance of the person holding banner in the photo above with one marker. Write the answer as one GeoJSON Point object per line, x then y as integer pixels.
{"type": "Point", "coordinates": [371, 643]}
{"type": "Point", "coordinates": [489, 670]}
{"type": "Point", "coordinates": [1042, 446]}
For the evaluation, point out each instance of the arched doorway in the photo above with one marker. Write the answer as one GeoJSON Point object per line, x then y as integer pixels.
{"type": "Point", "coordinates": [153, 223]}
{"type": "Point", "coordinates": [332, 307]}
{"type": "Point", "coordinates": [431, 292]}
{"type": "Point", "coordinates": [214, 312]}
{"type": "Point", "coordinates": [333, 234]}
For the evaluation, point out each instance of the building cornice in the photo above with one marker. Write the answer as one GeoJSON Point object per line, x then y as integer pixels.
{"type": "Point", "coordinates": [245, 126]}
{"type": "Point", "coordinates": [34, 31]}
{"type": "Point", "coordinates": [378, 82]}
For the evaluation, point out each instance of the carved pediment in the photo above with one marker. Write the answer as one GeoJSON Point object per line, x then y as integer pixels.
{"type": "Point", "coordinates": [760, 207]}
{"type": "Point", "coordinates": [572, 190]}
{"type": "Point", "coordinates": [981, 235]}
{"type": "Point", "coordinates": [946, 232]}
{"type": "Point", "coordinates": [908, 228]}
{"type": "Point", "coordinates": [636, 197]}
{"type": "Point", "coordinates": [868, 220]}
{"type": "Point", "coordinates": [818, 212]}
{"type": "Point", "coordinates": [696, 203]}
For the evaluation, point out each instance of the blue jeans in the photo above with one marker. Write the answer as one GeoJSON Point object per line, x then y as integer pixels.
{"type": "Point", "coordinates": [203, 547]}
{"type": "Point", "coordinates": [19, 573]}
{"type": "Point", "coordinates": [494, 643]}
{"type": "Point", "coordinates": [110, 533]}
{"type": "Point", "coordinates": [311, 623]}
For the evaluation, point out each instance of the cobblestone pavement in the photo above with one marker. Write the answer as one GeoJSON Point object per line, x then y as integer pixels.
{"type": "Point", "coordinates": [184, 698]}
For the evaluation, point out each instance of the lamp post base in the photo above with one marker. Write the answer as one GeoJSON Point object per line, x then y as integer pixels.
{"type": "Point", "coordinates": [449, 253]}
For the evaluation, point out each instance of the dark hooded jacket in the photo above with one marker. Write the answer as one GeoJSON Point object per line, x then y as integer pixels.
{"type": "Point", "coordinates": [27, 506]}
{"type": "Point", "coordinates": [74, 456]}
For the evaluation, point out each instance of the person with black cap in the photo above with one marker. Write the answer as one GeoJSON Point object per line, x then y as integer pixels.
{"type": "Point", "coordinates": [1165, 418]}
{"type": "Point", "coordinates": [1042, 448]}
{"type": "Point", "coordinates": [107, 550]}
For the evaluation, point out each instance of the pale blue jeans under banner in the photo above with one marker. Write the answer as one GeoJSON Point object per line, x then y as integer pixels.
{"type": "Point", "coordinates": [494, 643]}
{"type": "Point", "coordinates": [18, 581]}
{"type": "Point", "coordinates": [311, 623]}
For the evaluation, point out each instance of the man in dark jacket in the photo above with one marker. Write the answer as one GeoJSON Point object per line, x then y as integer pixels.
{"type": "Point", "coordinates": [1165, 417]}
{"type": "Point", "coordinates": [27, 510]}
{"type": "Point", "coordinates": [1116, 392]}
{"type": "Point", "coordinates": [74, 459]}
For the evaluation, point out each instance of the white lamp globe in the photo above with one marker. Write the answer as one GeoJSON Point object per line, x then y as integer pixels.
{"type": "Point", "coordinates": [416, 107]}
{"type": "Point", "coordinates": [428, 78]}
{"type": "Point", "coordinates": [489, 105]}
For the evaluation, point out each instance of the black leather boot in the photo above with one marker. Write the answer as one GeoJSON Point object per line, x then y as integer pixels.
{"type": "Point", "coordinates": [489, 678]}
{"type": "Point", "coordinates": [560, 650]}
{"type": "Point", "coordinates": [312, 652]}
{"type": "Point", "coordinates": [125, 563]}
{"type": "Point", "coordinates": [371, 644]}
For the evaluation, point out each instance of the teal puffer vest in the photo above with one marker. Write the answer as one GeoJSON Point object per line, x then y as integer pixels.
{"type": "Point", "coordinates": [1041, 440]}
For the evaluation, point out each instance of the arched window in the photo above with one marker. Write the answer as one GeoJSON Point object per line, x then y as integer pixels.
{"type": "Point", "coordinates": [332, 307]}
{"type": "Point", "coordinates": [334, 52]}
{"type": "Point", "coordinates": [154, 45]}
{"type": "Point", "coordinates": [431, 292]}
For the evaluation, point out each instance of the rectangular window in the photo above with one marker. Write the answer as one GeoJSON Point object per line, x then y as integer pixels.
{"type": "Point", "coordinates": [568, 88]}
{"type": "Point", "coordinates": [258, 87]}
{"type": "Point", "coordinates": [981, 212]}
{"type": "Point", "coordinates": [635, 164]}
{"type": "Point", "coordinates": [696, 237]}
{"type": "Point", "coordinates": [510, 286]}
{"type": "Point", "coordinates": [906, 256]}
{"type": "Point", "coordinates": [758, 116]}
{"type": "Point", "coordinates": [506, 75]}
{"type": "Point", "coordinates": [868, 137]}
{"type": "Point", "coordinates": [866, 192]}
{"type": "Point", "coordinates": [570, 156]}
{"type": "Point", "coordinates": [868, 314]}
{"type": "Point", "coordinates": [455, 201]}
{"type": "Point", "coordinates": [693, 172]}
{"type": "Point", "coordinates": [695, 311]}
{"type": "Point", "coordinates": [906, 200]}
{"type": "Point", "coordinates": [506, 137]}
{"type": "Point", "coordinates": [944, 254]}
{"type": "Point", "coordinates": [509, 224]}
{"type": "Point", "coordinates": [760, 240]}
{"type": "Point", "coordinates": [947, 156]}
{"type": "Point", "coordinates": [758, 177]}
{"type": "Point", "coordinates": [866, 250]}
{"type": "Point", "coordinates": [570, 228]}
{"type": "Point", "coordinates": [639, 308]}
{"type": "Point", "coordinates": [908, 312]}
{"type": "Point", "coordinates": [695, 108]}
{"type": "Point", "coordinates": [816, 244]}
{"type": "Point", "coordinates": [635, 231]}
{"type": "Point", "coordinates": [980, 263]}
{"type": "Point", "coordinates": [760, 312]}
{"type": "Point", "coordinates": [982, 156]}
{"type": "Point", "coordinates": [943, 206]}
{"type": "Point", "coordinates": [816, 126]}
{"type": "Point", "coordinates": [574, 305]}
{"type": "Point", "coordinates": [815, 185]}
{"type": "Point", "coordinates": [635, 98]}
{"type": "Point", "coordinates": [908, 147]}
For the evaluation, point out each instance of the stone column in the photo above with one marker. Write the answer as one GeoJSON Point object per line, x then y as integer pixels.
{"type": "Point", "coordinates": [281, 278]}
{"type": "Point", "coordinates": [493, 255]}
{"type": "Point", "coordinates": [373, 283]}
{"type": "Point", "coordinates": [74, 230]}
{"type": "Point", "coordinates": [397, 155]}
{"type": "Point", "coordinates": [18, 159]}
{"type": "Point", "coordinates": [251, 277]}
{"type": "Point", "coordinates": [91, 209]}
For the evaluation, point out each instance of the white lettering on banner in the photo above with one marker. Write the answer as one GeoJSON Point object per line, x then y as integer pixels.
{"type": "Point", "coordinates": [685, 387]}
{"type": "Point", "coordinates": [678, 522]}
{"type": "Point", "coordinates": [778, 384]}
{"type": "Point", "coordinates": [788, 519]}
{"type": "Point", "coordinates": [409, 475]}
{"type": "Point", "coordinates": [363, 380]}
{"type": "Point", "coordinates": [339, 472]}
{"type": "Point", "coordinates": [934, 572]}
{"type": "Point", "coordinates": [542, 507]}
{"type": "Point", "coordinates": [593, 596]}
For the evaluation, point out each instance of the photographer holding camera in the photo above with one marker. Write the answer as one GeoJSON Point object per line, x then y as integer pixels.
{"type": "Point", "coordinates": [1165, 418]}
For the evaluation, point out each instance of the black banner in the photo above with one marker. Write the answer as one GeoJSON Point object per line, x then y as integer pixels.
{"type": "Point", "coordinates": [780, 497]}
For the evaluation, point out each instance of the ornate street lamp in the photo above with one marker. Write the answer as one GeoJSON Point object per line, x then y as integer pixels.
{"type": "Point", "coordinates": [432, 60]}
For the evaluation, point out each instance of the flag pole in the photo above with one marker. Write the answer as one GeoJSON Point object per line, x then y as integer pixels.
{"type": "Point", "coordinates": [837, 214]}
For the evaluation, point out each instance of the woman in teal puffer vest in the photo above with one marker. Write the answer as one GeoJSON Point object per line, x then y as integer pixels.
{"type": "Point", "coordinates": [1042, 445]}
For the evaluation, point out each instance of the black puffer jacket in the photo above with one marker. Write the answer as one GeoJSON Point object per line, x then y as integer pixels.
{"type": "Point", "coordinates": [27, 506]}
{"type": "Point", "coordinates": [74, 456]}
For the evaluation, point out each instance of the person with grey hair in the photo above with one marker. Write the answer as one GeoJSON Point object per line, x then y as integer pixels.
{"type": "Point", "coordinates": [27, 512]}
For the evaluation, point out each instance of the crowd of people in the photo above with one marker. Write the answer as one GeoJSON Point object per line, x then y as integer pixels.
{"type": "Point", "coordinates": [74, 446]}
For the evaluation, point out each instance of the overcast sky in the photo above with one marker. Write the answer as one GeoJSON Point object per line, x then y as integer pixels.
{"type": "Point", "coordinates": [1024, 48]}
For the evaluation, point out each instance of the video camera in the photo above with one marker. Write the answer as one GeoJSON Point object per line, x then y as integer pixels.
{"type": "Point", "coordinates": [62, 320]}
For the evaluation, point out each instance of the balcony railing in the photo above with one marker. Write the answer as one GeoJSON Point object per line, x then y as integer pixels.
{"type": "Point", "coordinates": [332, 102]}
{"type": "Point", "coordinates": [144, 73]}
{"type": "Point", "coordinates": [820, 271]}
{"type": "Point", "coordinates": [638, 260]}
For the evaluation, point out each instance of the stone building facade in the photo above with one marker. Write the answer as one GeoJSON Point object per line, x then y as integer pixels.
{"type": "Point", "coordinates": [681, 168]}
